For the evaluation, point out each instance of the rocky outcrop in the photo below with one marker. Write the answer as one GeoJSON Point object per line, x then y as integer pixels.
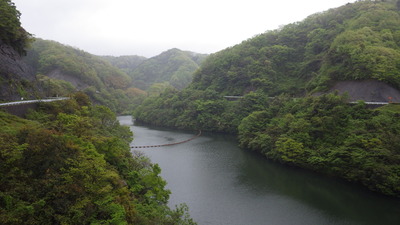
{"type": "Point", "coordinates": [76, 82]}
{"type": "Point", "coordinates": [16, 78]}
{"type": "Point", "coordinates": [367, 90]}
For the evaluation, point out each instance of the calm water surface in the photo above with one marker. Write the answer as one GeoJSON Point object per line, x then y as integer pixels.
{"type": "Point", "coordinates": [224, 185]}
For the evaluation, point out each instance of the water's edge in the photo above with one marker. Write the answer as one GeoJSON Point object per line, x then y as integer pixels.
{"type": "Point", "coordinates": [223, 184]}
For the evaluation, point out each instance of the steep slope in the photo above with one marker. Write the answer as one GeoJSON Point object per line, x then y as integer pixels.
{"type": "Point", "coordinates": [16, 78]}
{"type": "Point", "coordinates": [173, 66]}
{"type": "Point", "coordinates": [353, 42]}
{"type": "Point", "coordinates": [358, 42]}
{"type": "Point", "coordinates": [367, 90]}
{"type": "Point", "coordinates": [354, 48]}
{"type": "Point", "coordinates": [73, 65]}
{"type": "Point", "coordinates": [70, 163]}
{"type": "Point", "coordinates": [61, 70]}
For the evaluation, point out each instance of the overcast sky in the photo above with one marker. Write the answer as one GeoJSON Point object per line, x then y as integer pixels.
{"type": "Point", "coordinates": [149, 27]}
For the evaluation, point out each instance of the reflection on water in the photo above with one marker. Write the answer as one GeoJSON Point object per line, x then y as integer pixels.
{"type": "Point", "coordinates": [336, 198]}
{"type": "Point", "coordinates": [223, 184]}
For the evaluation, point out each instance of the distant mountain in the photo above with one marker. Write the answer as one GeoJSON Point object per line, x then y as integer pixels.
{"type": "Point", "coordinates": [173, 66]}
{"type": "Point", "coordinates": [127, 63]}
{"type": "Point", "coordinates": [59, 70]}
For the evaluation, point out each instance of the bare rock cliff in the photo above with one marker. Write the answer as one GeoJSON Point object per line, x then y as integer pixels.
{"type": "Point", "coordinates": [368, 90]}
{"type": "Point", "coordinates": [16, 78]}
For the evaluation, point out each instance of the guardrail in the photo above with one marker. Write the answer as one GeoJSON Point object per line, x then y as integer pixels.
{"type": "Point", "coordinates": [373, 103]}
{"type": "Point", "coordinates": [33, 101]}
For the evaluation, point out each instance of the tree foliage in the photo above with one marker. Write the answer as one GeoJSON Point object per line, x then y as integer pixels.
{"type": "Point", "coordinates": [11, 32]}
{"type": "Point", "coordinates": [329, 135]}
{"type": "Point", "coordinates": [70, 163]}
{"type": "Point", "coordinates": [352, 42]}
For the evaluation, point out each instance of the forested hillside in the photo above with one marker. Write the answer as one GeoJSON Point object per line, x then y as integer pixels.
{"type": "Point", "coordinates": [297, 60]}
{"type": "Point", "coordinates": [52, 69]}
{"type": "Point", "coordinates": [61, 70]}
{"type": "Point", "coordinates": [171, 68]}
{"type": "Point", "coordinates": [118, 82]}
{"type": "Point", "coordinates": [70, 163]}
{"type": "Point", "coordinates": [280, 73]}
{"type": "Point", "coordinates": [354, 42]}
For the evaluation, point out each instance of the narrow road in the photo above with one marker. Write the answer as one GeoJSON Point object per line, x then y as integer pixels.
{"type": "Point", "coordinates": [33, 101]}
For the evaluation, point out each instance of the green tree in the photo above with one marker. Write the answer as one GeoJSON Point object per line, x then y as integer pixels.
{"type": "Point", "coordinates": [11, 32]}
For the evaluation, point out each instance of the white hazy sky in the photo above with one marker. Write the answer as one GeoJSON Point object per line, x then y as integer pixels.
{"type": "Point", "coordinates": [149, 27]}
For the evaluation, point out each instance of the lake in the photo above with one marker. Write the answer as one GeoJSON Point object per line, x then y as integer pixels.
{"type": "Point", "coordinates": [225, 185]}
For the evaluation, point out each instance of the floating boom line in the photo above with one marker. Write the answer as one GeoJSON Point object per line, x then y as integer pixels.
{"type": "Point", "coordinates": [169, 144]}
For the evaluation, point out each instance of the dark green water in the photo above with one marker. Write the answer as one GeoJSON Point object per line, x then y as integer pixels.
{"type": "Point", "coordinates": [223, 184]}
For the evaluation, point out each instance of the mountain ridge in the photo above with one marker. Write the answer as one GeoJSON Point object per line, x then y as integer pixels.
{"type": "Point", "coordinates": [56, 70]}
{"type": "Point", "coordinates": [174, 66]}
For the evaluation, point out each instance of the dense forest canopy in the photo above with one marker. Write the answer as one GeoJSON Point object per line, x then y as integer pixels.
{"type": "Point", "coordinates": [352, 42]}
{"type": "Point", "coordinates": [297, 60]}
{"type": "Point", "coordinates": [329, 135]}
{"type": "Point", "coordinates": [280, 74]}
{"type": "Point", "coordinates": [70, 163]}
